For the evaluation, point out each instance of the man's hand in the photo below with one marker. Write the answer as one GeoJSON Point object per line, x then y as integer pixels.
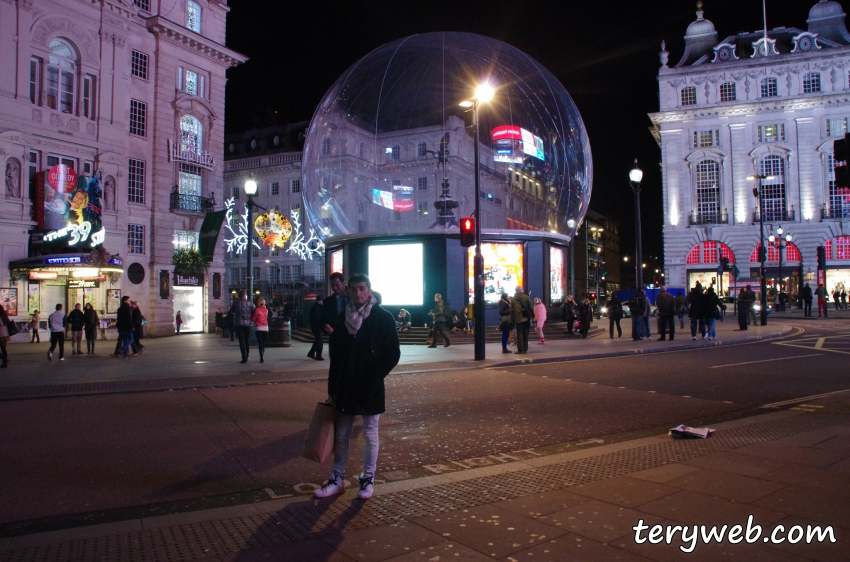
{"type": "Point", "coordinates": [328, 329]}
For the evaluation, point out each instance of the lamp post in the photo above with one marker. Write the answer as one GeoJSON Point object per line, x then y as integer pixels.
{"type": "Point", "coordinates": [757, 191]}
{"type": "Point", "coordinates": [250, 191]}
{"type": "Point", "coordinates": [635, 175]}
{"type": "Point", "coordinates": [777, 240]}
{"type": "Point", "coordinates": [483, 93]}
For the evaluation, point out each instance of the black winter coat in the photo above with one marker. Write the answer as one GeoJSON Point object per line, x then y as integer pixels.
{"type": "Point", "coordinates": [696, 308]}
{"type": "Point", "coordinates": [359, 363]}
{"type": "Point", "coordinates": [711, 306]}
{"type": "Point", "coordinates": [76, 320]}
{"type": "Point", "coordinates": [124, 318]}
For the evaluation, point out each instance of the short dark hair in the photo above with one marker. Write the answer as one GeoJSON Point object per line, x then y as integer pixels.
{"type": "Point", "coordinates": [337, 275]}
{"type": "Point", "coordinates": [125, 298]}
{"type": "Point", "coordinates": [360, 278]}
{"type": "Point", "coordinates": [58, 307]}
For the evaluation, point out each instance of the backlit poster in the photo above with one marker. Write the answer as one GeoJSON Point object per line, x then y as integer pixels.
{"type": "Point", "coordinates": [503, 270]}
{"type": "Point", "coordinates": [556, 275]}
{"type": "Point", "coordinates": [396, 271]}
{"type": "Point", "coordinates": [336, 261]}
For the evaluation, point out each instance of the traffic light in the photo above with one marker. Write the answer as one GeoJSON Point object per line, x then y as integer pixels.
{"type": "Point", "coordinates": [821, 257]}
{"type": "Point", "coordinates": [467, 232]}
{"type": "Point", "coordinates": [841, 154]}
{"type": "Point", "coordinates": [724, 264]}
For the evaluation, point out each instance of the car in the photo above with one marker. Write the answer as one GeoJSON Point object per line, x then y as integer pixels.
{"type": "Point", "coordinates": [731, 301]}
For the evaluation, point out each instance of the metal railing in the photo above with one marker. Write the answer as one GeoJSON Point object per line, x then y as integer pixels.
{"type": "Point", "coordinates": [789, 215]}
{"type": "Point", "coordinates": [709, 218]}
{"type": "Point", "coordinates": [191, 203]}
{"type": "Point", "coordinates": [835, 213]}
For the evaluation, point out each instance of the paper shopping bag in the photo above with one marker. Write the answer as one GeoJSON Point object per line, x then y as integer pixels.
{"type": "Point", "coordinates": [319, 443]}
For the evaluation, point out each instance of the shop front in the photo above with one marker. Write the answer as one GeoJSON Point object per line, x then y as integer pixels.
{"type": "Point", "coordinates": [189, 301]}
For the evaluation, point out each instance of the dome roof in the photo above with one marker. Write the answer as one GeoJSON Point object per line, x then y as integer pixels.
{"type": "Point", "coordinates": [700, 28]}
{"type": "Point", "coordinates": [825, 9]}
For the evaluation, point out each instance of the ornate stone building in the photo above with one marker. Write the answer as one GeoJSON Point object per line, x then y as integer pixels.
{"type": "Point", "coordinates": [755, 104]}
{"type": "Point", "coordinates": [132, 93]}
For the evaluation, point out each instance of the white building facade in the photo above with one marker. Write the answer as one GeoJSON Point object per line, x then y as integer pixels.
{"type": "Point", "coordinates": [750, 105]}
{"type": "Point", "coordinates": [131, 92]}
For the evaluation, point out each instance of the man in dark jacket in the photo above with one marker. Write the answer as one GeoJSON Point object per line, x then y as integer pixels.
{"type": "Point", "coordinates": [521, 315]}
{"type": "Point", "coordinates": [124, 323]}
{"type": "Point", "coordinates": [242, 310]}
{"type": "Point", "coordinates": [364, 350]}
{"type": "Point", "coordinates": [77, 322]}
{"type": "Point", "coordinates": [746, 299]}
{"type": "Point", "coordinates": [333, 305]}
{"type": "Point", "coordinates": [696, 310]}
{"type": "Point", "coordinates": [316, 327]}
{"type": "Point", "coordinates": [666, 304]}
{"type": "Point", "coordinates": [615, 314]}
{"type": "Point", "coordinates": [636, 306]}
{"type": "Point", "coordinates": [807, 297]}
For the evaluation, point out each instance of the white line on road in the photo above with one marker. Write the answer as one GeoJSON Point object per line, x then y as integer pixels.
{"type": "Point", "coordinates": [803, 399]}
{"type": "Point", "coordinates": [766, 360]}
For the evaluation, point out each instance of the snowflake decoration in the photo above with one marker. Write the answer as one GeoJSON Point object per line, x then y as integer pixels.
{"type": "Point", "coordinates": [304, 249]}
{"type": "Point", "coordinates": [239, 240]}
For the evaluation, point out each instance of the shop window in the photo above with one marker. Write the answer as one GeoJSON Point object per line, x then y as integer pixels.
{"type": "Point", "coordinates": [185, 239]}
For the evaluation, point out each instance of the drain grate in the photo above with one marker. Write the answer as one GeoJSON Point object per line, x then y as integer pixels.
{"type": "Point", "coordinates": [308, 519]}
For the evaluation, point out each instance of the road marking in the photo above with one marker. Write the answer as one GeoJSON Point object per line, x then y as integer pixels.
{"type": "Point", "coordinates": [765, 360]}
{"type": "Point", "coordinates": [803, 399]}
{"type": "Point", "coordinates": [819, 343]}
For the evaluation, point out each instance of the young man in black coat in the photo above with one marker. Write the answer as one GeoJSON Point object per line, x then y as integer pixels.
{"type": "Point", "coordinates": [364, 349]}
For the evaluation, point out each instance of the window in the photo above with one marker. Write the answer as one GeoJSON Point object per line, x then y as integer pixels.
{"type": "Point", "coordinates": [708, 191]}
{"type": "Point", "coordinates": [256, 274]}
{"type": "Point", "coordinates": [34, 168]}
{"type": "Point", "coordinates": [143, 4]}
{"type": "Point", "coordinates": [295, 209]}
{"type": "Point", "coordinates": [361, 151]}
{"type": "Point", "coordinates": [138, 117]}
{"type": "Point", "coordinates": [295, 186]}
{"type": "Point", "coordinates": [88, 96]}
{"type": "Point", "coordinates": [234, 192]}
{"type": "Point", "coordinates": [727, 92]}
{"type": "Point", "coordinates": [689, 95]}
{"type": "Point", "coordinates": [193, 16]}
{"type": "Point", "coordinates": [185, 239]}
{"type": "Point", "coordinates": [773, 191]}
{"type": "Point", "coordinates": [35, 81]}
{"type": "Point", "coordinates": [768, 88]}
{"type": "Point", "coordinates": [52, 160]}
{"type": "Point", "coordinates": [393, 153]}
{"type": "Point", "coordinates": [136, 181]}
{"type": "Point", "coordinates": [139, 65]}
{"type": "Point", "coordinates": [191, 83]}
{"type": "Point", "coordinates": [274, 274]}
{"type": "Point", "coordinates": [275, 251]}
{"type": "Point", "coordinates": [422, 184]}
{"type": "Point", "coordinates": [234, 275]}
{"type": "Point", "coordinates": [706, 138]}
{"type": "Point", "coordinates": [61, 72]}
{"type": "Point", "coordinates": [135, 239]}
{"type": "Point", "coordinates": [771, 133]}
{"type": "Point", "coordinates": [811, 82]}
{"type": "Point", "coordinates": [422, 209]}
{"type": "Point", "coordinates": [203, 91]}
{"type": "Point", "coordinates": [421, 148]}
{"type": "Point", "coordinates": [326, 146]}
{"type": "Point", "coordinates": [839, 197]}
{"type": "Point", "coordinates": [179, 77]}
{"type": "Point", "coordinates": [255, 251]}
{"type": "Point", "coordinates": [274, 189]}
{"type": "Point", "coordinates": [189, 183]}
{"type": "Point", "coordinates": [191, 137]}
{"type": "Point", "coordinates": [836, 127]}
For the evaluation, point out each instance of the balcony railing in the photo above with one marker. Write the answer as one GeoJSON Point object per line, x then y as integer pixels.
{"type": "Point", "coordinates": [789, 215]}
{"type": "Point", "coordinates": [841, 212]}
{"type": "Point", "coordinates": [191, 203]}
{"type": "Point", "coordinates": [709, 218]}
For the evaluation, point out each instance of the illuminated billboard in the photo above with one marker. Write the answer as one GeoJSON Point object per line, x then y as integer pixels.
{"type": "Point", "coordinates": [336, 261]}
{"type": "Point", "coordinates": [397, 200]}
{"type": "Point", "coordinates": [503, 270]}
{"type": "Point", "coordinates": [556, 275]}
{"type": "Point", "coordinates": [68, 207]}
{"type": "Point", "coordinates": [388, 263]}
{"type": "Point", "coordinates": [511, 144]}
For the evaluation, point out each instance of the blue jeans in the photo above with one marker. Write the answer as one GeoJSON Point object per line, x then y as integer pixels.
{"type": "Point", "coordinates": [709, 327]}
{"type": "Point", "coordinates": [697, 322]}
{"type": "Point", "coordinates": [126, 339]}
{"type": "Point", "coordinates": [637, 327]}
{"type": "Point", "coordinates": [506, 335]}
{"type": "Point", "coordinates": [344, 423]}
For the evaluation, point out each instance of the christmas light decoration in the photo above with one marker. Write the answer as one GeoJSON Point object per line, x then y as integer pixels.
{"type": "Point", "coordinates": [304, 249]}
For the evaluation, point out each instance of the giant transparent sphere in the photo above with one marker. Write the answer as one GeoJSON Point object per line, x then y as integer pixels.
{"type": "Point", "coordinates": [390, 149]}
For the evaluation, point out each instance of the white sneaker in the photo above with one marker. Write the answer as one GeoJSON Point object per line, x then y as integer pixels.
{"type": "Point", "coordinates": [695, 338]}
{"type": "Point", "coordinates": [366, 488]}
{"type": "Point", "coordinates": [332, 488]}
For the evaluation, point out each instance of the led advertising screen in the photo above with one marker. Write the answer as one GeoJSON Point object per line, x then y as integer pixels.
{"type": "Point", "coordinates": [511, 144]}
{"type": "Point", "coordinates": [395, 200]}
{"type": "Point", "coordinates": [556, 275]}
{"type": "Point", "coordinates": [503, 270]}
{"type": "Point", "coordinates": [396, 271]}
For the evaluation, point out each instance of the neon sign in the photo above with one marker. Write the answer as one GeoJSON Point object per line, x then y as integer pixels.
{"type": "Point", "coordinates": [77, 233]}
{"type": "Point", "coordinates": [63, 261]}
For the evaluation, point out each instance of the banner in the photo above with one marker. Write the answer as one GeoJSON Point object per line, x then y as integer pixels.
{"type": "Point", "coordinates": [208, 236]}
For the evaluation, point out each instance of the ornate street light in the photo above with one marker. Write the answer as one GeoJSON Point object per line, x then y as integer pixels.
{"type": "Point", "coordinates": [635, 175]}
{"type": "Point", "coordinates": [757, 192]}
{"type": "Point", "coordinates": [250, 191]}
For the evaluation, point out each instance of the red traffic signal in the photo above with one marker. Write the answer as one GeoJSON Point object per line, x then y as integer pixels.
{"type": "Point", "coordinates": [467, 232]}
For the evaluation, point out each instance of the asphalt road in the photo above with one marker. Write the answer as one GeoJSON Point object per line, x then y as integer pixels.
{"type": "Point", "coordinates": [86, 459]}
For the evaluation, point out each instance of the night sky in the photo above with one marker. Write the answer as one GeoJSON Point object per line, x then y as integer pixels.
{"type": "Point", "coordinates": [604, 53]}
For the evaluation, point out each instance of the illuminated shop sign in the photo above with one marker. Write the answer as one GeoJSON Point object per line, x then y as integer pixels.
{"type": "Point", "coordinates": [68, 260]}
{"type": "Point", "coordinates": [188, 280]}
{"type": "Point", "coordinates": [43, 275]}
{"type": "Point", "coordinates": [82, 284]}
{"type": "Point", "coordinates": [273, 229]}
{"type": "Point", "coordinates": [77, 234]}
{"type": "Point", "coordinates": [177, 154]}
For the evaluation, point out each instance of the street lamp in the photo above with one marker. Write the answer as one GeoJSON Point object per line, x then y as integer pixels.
{"type": "Point", "coordinates": [483, 93]}
{"type": "Point", "coordinates": [757, 192]}
{"type": "Point", "coordinates": [250, 191]}
{"type": "Point", "coordinates": [635, 175]}
{"type": "Point", "coordinates": [777, 241]}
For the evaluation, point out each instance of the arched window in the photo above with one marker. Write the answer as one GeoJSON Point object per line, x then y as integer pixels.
{"type": "Point", "coordinates": [193, 16]}
{"type": "Point", "coordinates": [708, 194]}
{"type": "Point", "coordinates": [773, 190]}
{"type": "Point", "coordinates": [840, 246]}
{"type": "Point", "coordinates": [710, 252]}
{"type": "Point", "coordinates": [60, 76]}
{"type": "Point", "coordinates": [190, 177]}
{"type": "Point", "coordinates": [792, 253]}
{"type": "Point", "coordinates": [191, 134]}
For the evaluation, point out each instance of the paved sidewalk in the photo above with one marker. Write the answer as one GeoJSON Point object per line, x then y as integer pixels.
{"type": "Point", "coordinates": [789, 468]}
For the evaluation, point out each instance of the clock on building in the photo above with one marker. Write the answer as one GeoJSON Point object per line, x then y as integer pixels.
{"type": "Point", "coordinates": [724, 54]}
{"type": "Point", "coordinates": [805, 43]}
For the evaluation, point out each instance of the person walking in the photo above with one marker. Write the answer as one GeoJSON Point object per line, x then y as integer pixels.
{"type": "Point", "coordinates": [539, 320]}
{"type": "Point", "coordinates": [666, 304]}
{"type": "Point", "coordinates": [806, 295]}
{"type": "Point", "coordinates": [569, 313]}
{"type": "Point", "coordinates": [124, 323]}
{"type": "Point", "coordinates": [836, 299]}
{"type": "Point", "coordinates": [219, 322]}
{"type": "Point", "coordinates": [681, 309]}
{"type": "Point", "coordinates": [711, 312]}
{"type": "Point", "coordinates": [91, 322]}
{"type": "Point", "coordinates": [615, 314]}
{"type": "Point", "coordinates": [56, 325]}
{"type": "Point", "coordinates": [178, 320]}
{"type": "Point", "coordinates": [34, 321]}
{"type": "Point", "coordinates": [647, 314]}
{"type": "Point", "coordinates": [636, 311]}
{"type": "Point", "coordinates": [585, 317]}
{"type": "Point", "coordinates": [260, 318]}
{"type": "Point", "coordinates": [77, 321]}
{"type": "Point", "coordinates": [521, 315]}
{"type": "Point", "coordinates": [139, 322]}
{"type": "Point", "coordinates": [746, 298]}
{"type": "Point", "coordinates": [4, 336]}
{"type": "Point", "coordinates": [843, 298]}
{"type": "Point", "coordinates": [243, 310]}
{"type": "Point", "coordinates": [364, 349]}
{"type": "Point", "coordinates": [696, 311]}
{"type": "Point", "coordinates": [316, 327]}
{"type": "Point", "coordinates": [506, 323]}
{"type": "Point", "coordinates": [823, 297]}
{"type": "Point", "coordinates": [439, 313]}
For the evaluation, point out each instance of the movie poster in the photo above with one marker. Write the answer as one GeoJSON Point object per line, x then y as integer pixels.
{"type": "Point", "coordinates": [34, 298]}
{"type": "Point", "coordinates": [9, 300]}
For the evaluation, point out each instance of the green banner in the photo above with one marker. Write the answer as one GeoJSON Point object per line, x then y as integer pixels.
{"type": "Point", "coordinates": [208, 236]}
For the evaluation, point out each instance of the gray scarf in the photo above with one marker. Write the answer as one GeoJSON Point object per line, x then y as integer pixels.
{"type": "Point", "coordinates": [354, 318]}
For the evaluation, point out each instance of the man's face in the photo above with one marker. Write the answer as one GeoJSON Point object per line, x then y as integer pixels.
{"type": "Point", "coordinates": [359, 293]}
{"type": "Point", "coordinates": [338, 286]}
